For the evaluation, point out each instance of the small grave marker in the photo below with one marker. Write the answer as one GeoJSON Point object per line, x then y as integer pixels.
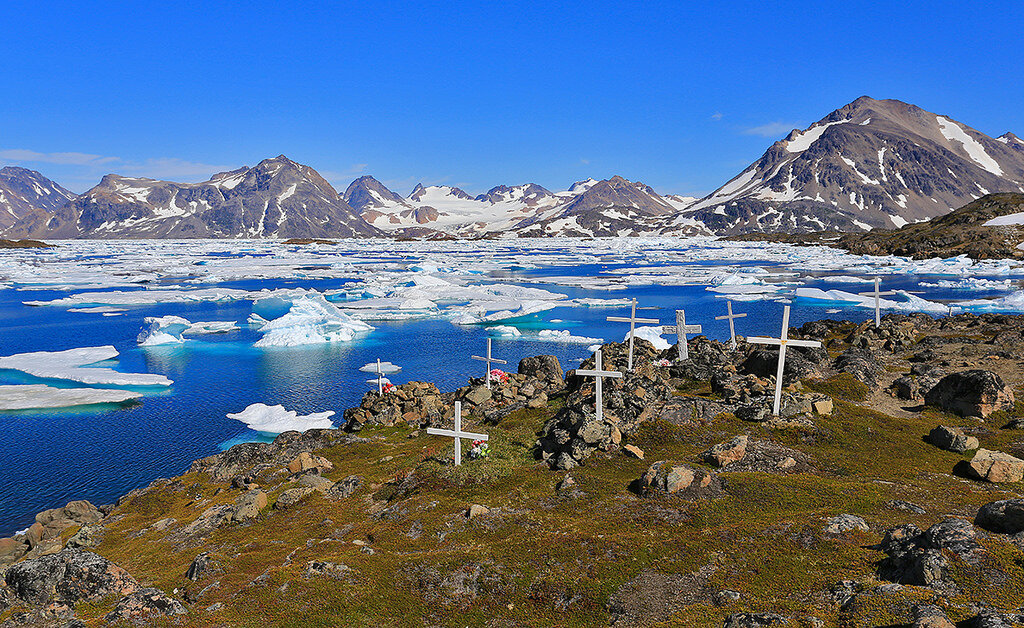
{"type": "Point", "coordinates": [680, 329]}
{"type": "Point", "coordinates": [457, 433]}
{"type": "Point", "coordinates": [598, 373]}
{"type": "Point", "coordinates": [632, 320]}
{"type": "Point", "coordinates": [878, 304]}
{"type": "Point", "coordinates": [488, 360]}
{"type": "Point", "coordinates": [782, 341]}
{"type": "Point", "coordinates": [732, 325]}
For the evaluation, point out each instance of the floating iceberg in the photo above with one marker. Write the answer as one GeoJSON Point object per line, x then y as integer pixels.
{"type": "Point", "coordinates": [310, 320]}
{"type": "Point", "coordinates": [275, 419]}
{"type": "Point", "coordinates": [911, 303]}
{"type": "Point", "coordinates": [164, 330]}
{"type": "Point", "coordinates": [506, 331]}
{"type": "Point", "coordinates": [565, 336]}
{"type": "Point", "coordinates": [37, 396]}
{"type": "Point", "coordinates": [72, 365]}
{"type": "Point", "coordinates": [651, 334]}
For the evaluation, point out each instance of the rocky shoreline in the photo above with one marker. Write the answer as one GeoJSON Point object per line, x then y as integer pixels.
{"type": "Point", "coordinates": [678, 441]}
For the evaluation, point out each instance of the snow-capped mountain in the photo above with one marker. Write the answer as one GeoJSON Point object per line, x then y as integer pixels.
{"type": "Point", "coordinates": [23, 191]}
{"type": "Point", "coordinates": [588, 208]}
{"type": "Point", "coordinates": [276, 198]}
{"type": "Point", "coordinates": [872, 163]}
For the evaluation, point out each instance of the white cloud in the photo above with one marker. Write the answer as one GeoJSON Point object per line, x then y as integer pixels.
{"type": "Point", "coordinates": [773, 129]}
{"type": "Point", "coordinates": [64, 159]}
{"type": "Point", "coordinates": [716, 116]}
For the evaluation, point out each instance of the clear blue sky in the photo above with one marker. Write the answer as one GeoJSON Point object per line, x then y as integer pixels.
{"type": "Point", "coordinates": [681, 96]}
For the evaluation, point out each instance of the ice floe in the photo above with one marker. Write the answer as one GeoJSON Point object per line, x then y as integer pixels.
{"type": "Point", "coordinates": [73, 365]}
{"type": "Point", "coordinates": [385, 367]}
{"type": "Point", "coordinates": [652, 335]}
{"type": "Point", "coordinates": [39, 396]}
{"type": "Point", "coordinates": [565, 336]}
{"type": "Point", "coordinates": [275, 419]}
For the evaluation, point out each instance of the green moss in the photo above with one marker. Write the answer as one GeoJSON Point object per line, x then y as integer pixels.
{"type": "Point", "coordinates": [842, 386]}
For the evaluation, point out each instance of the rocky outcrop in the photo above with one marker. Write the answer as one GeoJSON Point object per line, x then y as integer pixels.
{"type": "Point", "coordinates": [971, 393]}
{"type": "Point", "coordinates": [724, 454]}
{"type": "Point", "coordinates": [56, 583]}
{"type": "Point", "coordinates": [920, 558]}
{"type": "Point", "coordinates": [249, 459]}
{"type": "Point", "coordinates": [43, 536]}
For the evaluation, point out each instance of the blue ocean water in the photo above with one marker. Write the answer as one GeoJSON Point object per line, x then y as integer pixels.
{"type": "Point", "coordinates": [101, 452]}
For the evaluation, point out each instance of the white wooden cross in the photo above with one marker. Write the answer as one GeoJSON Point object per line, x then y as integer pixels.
{"type": "Point", "coordinates": [380, 378]}
{"type": "Point", "coordinates": [488, 360]}
{"type": "Point", "coordinates": [632, 320]}
{"type": "Point", "coordinates": [681, 329]}
{"type": "Point", "coordinates": [599, 374]}
{"type": "Point", "coordinates": [457, 433]}
{"type": "Point", "coordinates": [878, 307]}
{"type": "Point", "coordinates": [783, 341]}
{"type": "Point", "coordinates": [732, 325]}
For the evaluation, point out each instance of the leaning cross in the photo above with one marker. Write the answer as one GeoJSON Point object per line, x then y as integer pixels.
{"type": "Point", "coordinates": [732, 325]}
{"type": "Point", "coordinates": [457, 433]}
{"type": "Point", "coordinates": [632, 320]}
{"type": "Point", "coordinates": [680, 329]}
{"type": "Point", "coordinates": [878, 305]}
{"type": "Point", "coordinates": [599, 375]}
{"type": "Point", "coordinates": [783, 341]}
{"type": "Point", "coordinates": [488, 360]}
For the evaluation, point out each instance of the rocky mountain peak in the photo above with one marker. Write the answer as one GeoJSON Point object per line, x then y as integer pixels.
{"type": "Point", "coordinates": [23, 191]}
{"type": "Point", "coordinates": [367, 192]}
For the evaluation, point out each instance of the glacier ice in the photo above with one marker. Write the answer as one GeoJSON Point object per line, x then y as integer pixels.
{"type": "Point", "coordinates": [651, 334]}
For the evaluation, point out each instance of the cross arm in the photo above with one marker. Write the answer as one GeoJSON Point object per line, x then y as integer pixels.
{"type": "Point", "coordinates": [722, 318]}
{"type": "Point", "coordinates": [476, 357]}
{"type": "Point", "coordinates": [803, 343]}
{"type": "Point", "coordinates": [761, 340]}
{"type": "Point", "coordinates": [439, 432]}
{"type": "Point", "coordinates": [623, 319]}
{"type": "Point", "coordinates": [599, 373]}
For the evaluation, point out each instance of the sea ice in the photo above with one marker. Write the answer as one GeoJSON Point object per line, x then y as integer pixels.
{"type": "Point", "coordinates": [565, 336]}
{"type": "Point", "coordinates": [35, 396]}
{"type": "Point", "coordinates": [275, 419]}
{"type": "Point", "coordinates": [385, 367]}
{"type": "Point", "coordinates": [310, 320]}
{"type": "Point", "coordinates": [72, 365]}
{"type": "Point", "coordinates": [164, 330]}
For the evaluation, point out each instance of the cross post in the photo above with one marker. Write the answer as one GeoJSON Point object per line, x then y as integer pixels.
{"type": "Point", "coordinates": [632, 320]}
{"type": "Point", "coordinates": [878, 305]}
{"type": "Point", "coordinates": [732, 325]}
{"type": "Point", "coordinates": [782, 341]}
{"type": "Point", "coordinates": [488, 360]}
{"type": "Point", "coordinates": [457, 433]}
{"type": "Point", "coordinates": [599, 374]}
{"type": "Point", "coordinates": [680, 329]}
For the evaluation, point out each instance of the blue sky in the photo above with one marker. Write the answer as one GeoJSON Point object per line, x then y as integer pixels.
{"type": "Point", "coordinates": [681, 96]}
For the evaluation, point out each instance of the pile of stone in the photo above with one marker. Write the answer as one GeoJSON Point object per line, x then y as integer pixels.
{"type": "Point", "coordinates": [421, 404]}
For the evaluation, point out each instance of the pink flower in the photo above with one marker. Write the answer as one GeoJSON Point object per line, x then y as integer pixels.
{"type": "Point", "coordinates": [499, 375]}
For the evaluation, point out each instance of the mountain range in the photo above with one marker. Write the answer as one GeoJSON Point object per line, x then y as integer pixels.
{"type": "Point", "coordinates": [873, 164]}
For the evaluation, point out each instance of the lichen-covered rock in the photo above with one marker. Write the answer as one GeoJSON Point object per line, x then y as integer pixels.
{"type": "Point", "coordinates": [415, 403]}
{"type": "Point", "coordinates": [916, 557]}
{"type": "Point", "coordinates": [145, 603]}
{"type": "Point", "coordinates": [845, 523]}
{"type": "Point", "coordinates": [724, 454]}
{"type": "Point", "coordinates": [971, 393]}
{"type": "Point", "coordinates": [66, 578]}
{"type": "Point", "coordinates": [996, 466]}
{"type": "Point", "coordinates": [249, 459]}
{"type": "Point", "coordinates": [756, 620]}
{"type": "Point", "coordinates": [545, 368]}
{"type": "Point", "coordinates": [665, 478]}
{"type": "Point", "coordinates": [861, 364]}
{"type": "Point", "coordinates": [249, 505]}
{"type": "Point", "coordinates": [292, 496]}
{"type": "Point", "coordinates": [306, 461]}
